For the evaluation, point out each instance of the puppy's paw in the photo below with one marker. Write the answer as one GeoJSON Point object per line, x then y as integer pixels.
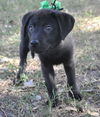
{"type": "Point", "coordinates": [17, 82]}
{"type": "Point", "coordinates": [75, 95]}
{"type": "Point", "coordinates": [53, 103]}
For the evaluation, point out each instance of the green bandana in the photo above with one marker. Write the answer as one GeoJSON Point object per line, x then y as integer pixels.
{"type": "Point", "coordinates": [56, 5]}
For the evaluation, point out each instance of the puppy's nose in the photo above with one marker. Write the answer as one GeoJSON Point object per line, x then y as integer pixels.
{"type": "Point", "coordinates": [34, 43]}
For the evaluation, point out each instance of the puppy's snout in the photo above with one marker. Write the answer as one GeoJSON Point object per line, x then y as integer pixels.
{"type": "Point", "coordinates": [34, 43]}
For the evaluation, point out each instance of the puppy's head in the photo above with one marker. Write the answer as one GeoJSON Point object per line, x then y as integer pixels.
{"type": "Point", "coordinates": [44, 29]}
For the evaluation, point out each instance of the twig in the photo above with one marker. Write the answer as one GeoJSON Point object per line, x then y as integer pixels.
{"type": "Point", "coordinates": [3, 112]}
{"type": "Point", "coordinates": [91, 90]}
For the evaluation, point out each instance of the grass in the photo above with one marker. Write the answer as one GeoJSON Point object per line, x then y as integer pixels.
{"type": "Point", "coordinates": [20, 102]}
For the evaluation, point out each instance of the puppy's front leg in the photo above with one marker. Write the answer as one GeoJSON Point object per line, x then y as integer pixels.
{"type": "Point", "coordinates": [23, 56]}
{"type": "Point", "coordinates": [70, 72]}
{"type": "Point", "coordinates": [48, 73]}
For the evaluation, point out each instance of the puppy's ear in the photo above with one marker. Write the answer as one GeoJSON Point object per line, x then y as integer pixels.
{"type": "Point", "coordinates": [25, 21]}
{"type": "Point", "coordinates": [65, 22]}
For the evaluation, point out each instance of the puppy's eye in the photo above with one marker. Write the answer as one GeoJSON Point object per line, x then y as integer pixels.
{"type": "Point", "coordinates": [31, 28]}
{"type": "Point", "coordinates": [48, 28]}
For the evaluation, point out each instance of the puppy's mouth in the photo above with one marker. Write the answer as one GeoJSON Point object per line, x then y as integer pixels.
{"type": "Point", "coordinates": [36, 50]}
{"type": "Point", "coordinates": [43, 49]}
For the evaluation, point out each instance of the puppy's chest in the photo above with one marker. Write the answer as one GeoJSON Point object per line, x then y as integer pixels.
{"type": "Point", "coordinates": [54, 59]}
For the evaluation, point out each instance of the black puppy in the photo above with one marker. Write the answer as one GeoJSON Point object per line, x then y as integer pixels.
{"type": "Point", "coordinates": [44, 32]}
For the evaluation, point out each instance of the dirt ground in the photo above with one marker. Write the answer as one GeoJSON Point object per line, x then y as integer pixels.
{"type": "Point", "coordinates": [30, 101]}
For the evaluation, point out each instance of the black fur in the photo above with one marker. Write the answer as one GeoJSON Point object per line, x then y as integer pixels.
{"type": "Point", "coordinates": [44, 32]}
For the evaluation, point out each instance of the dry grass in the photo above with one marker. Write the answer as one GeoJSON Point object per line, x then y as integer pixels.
{"type": "Point", "coordinates": [22, 102]}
